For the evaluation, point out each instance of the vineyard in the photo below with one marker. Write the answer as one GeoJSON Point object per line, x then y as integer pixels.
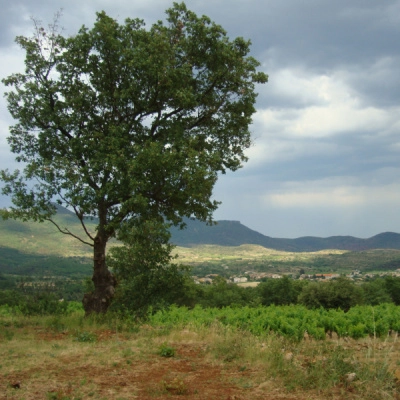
{"type": "Point", "coordinates": [259, 353]}
{"type": "Point", "coordinates": [294, 322]}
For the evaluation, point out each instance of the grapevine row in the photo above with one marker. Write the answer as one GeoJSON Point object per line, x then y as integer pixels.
{"type": "Point", "coordinates": [293, 321]}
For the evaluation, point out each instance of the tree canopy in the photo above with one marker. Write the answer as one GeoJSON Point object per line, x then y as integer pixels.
{"type": "Point", "coordinates": [127, 124]}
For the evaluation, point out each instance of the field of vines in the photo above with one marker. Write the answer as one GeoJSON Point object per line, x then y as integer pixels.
{"type": "Point", "coordinates": [294, 322]}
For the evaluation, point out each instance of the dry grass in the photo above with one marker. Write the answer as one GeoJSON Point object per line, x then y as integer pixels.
{"type": "Point", "coordinates": [250, 252]}
{"type": "Point", "coordinates": [73, 358]}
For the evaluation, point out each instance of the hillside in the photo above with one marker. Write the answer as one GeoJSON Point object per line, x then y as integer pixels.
{"type": "Point", "coordinates": [15, 262]}
{"type": "Point", "coordinates": [34, 249]}
{"type": "Point", "coordinates": [233, 233]}
{"type": "Point", "coordinates": [43, 238]}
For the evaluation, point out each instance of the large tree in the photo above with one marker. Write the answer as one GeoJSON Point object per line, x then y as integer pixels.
{"type": "Point", "coordinates": [125, 124]}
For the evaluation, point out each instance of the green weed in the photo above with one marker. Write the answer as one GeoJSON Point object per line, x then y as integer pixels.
{"type": "Point", "coordinates": [87, 337]}
{"type": "Point", "coordinates": [166, 351]}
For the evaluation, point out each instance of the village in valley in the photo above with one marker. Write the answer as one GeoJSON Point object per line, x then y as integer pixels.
{"type": "Point", "coordinates": [250, 278]}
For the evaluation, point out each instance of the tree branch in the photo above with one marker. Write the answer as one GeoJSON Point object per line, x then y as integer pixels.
{"type": "Point", "coordinates": [80, 217]}
{"type": "Point", "coordinates": [65, 231]}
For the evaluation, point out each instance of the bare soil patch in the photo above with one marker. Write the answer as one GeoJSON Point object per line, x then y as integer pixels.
{"type": "Point", "coordinates": [42, 364]}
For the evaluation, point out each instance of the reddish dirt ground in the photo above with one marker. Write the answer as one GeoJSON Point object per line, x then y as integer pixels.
{"type": "Point", "coordinates": [189, 374]}
{"type": "Point", "coordinates": [186, 375]}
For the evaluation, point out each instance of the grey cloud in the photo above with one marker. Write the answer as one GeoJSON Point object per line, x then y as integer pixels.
{"type": "Point", "coordinates": [365, 159]}
{"type": "Point", "coordinates": [377, 83]}
{"type": "Point", "coordinates": [354, 43]}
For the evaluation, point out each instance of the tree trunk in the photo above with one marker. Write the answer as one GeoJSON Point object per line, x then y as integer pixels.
{"type": "Point", "coordinates": [99, 300]}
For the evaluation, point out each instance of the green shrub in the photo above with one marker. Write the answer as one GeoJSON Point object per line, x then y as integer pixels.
{"type": "Point", "coordinates": [148, 280]}
{"type": "Point", "coordinates": [340, 293]}
{"type": "Point", "coordinates": [85, 337]}
{"type": "Point", "coordinates": [166, 351]}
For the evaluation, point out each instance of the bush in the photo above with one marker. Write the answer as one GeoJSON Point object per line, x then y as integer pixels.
{"type": "Point", "coordinates": [340, 293]}
{"type": "Point", "coordinates": [376, 292]}
{"type": "Point", "coordinates": [166, 351]}
{"type": "Point", "coordinates": [44, 304]}
{"type": "Point", "coordinates": [223, 294]}
{"type": "Point", "coordinates": [280, 292]}
{"type": "Point", "coordinates": [147, 278]}
{"type": "Point", "coordinates": [11, 298]}
{"type": "Point", "coordinates": [392, 285]}
{"type": "Point", "coordinates": [33, 304]}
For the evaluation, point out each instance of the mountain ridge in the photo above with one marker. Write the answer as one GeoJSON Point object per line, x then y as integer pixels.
{"type": "Point", "coordinates": [224, 233]}
{"type": "Point", "coordinates": [233, 233]}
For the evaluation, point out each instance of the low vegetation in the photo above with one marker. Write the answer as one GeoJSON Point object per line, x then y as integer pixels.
{"type": "Point", "coordinates": [194, 354]}
{"type": "Point", "coordinates": [285, 338]}
{"type": "Point", "coordinates": [230, 260]}
{"type": "Point", "coordinates": [146, 293]}
{"type": "Point", "coordinates": [167, 336]}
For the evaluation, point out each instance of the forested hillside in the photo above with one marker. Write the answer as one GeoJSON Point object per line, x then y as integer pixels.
{"type": "Point", "coordinates": [44, 238]}
{"type": "Point", "coordinates": [233, 233]}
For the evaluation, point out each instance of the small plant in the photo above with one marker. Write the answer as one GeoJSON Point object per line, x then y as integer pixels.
{"type": "Point", "coordinates": [8, 335]}
{"type": "Point", "coordinates": [56, 324]}
{"type": "Point", "coordinates": [175, 386]}
{"type": "Point", "coordinates": [166, 351]}
{"type": "Point", "coordinates": [86, 337]}
{"type": "Point", "coordinates": [127, 353]}
{"type": "Point", "coordinates": [230, 347]}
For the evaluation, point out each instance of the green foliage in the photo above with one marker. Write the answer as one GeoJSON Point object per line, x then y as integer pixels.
{"type": "Point", "coordinates": [224, 294]}
{"type": "Point", "coordinates": [7, 282]}
{"type": "Point", "coordinates": [376, 292]}
{"type": "Point", "coordinates": [147, 277]}
{"type": "Point", "coordinates": [307, 368]}
{"type": "Point", "coordinates": [122, 123]}
{"type": "Point", "coordinates": [85, 337]}
{"type": "Point", "coordinates": [392, 285]}
{"type": "Point", "coordinates": [74, 306]}
{"type": "Point", "coordinates": [43, 304]}
{"type": "Point", "coordinates": [159, 143]}
{"type": "Point", "coordinates": [35, 304]}
{"type": "Point", "coordinates": [11, 297]}
{"type": "Point", "coordinates": [340, 293]}
{"type": "Point", "coordinates": [166, 351]}
{"type": "Point", "coordinates": [281, 291]}
{"type": "Point", "coordinates": [16, 262]}
{"type": "Point", "coordinates": [292, 321]}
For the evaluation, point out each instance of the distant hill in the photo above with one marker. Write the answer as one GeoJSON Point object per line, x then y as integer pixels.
{"type": "Point", "coordinates": [44, 239]}
{"type": "Point", "coordinates": [16, 262]}
{"type": "Point", "coordinates": [233, 233]}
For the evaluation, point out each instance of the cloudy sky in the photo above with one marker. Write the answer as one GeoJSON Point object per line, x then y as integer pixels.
{"type": "Point", "coordinates": [325, 159]}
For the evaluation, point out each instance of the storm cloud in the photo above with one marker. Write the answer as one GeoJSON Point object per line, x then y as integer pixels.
{"type": "Point", "coordinates": [326, 135]}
